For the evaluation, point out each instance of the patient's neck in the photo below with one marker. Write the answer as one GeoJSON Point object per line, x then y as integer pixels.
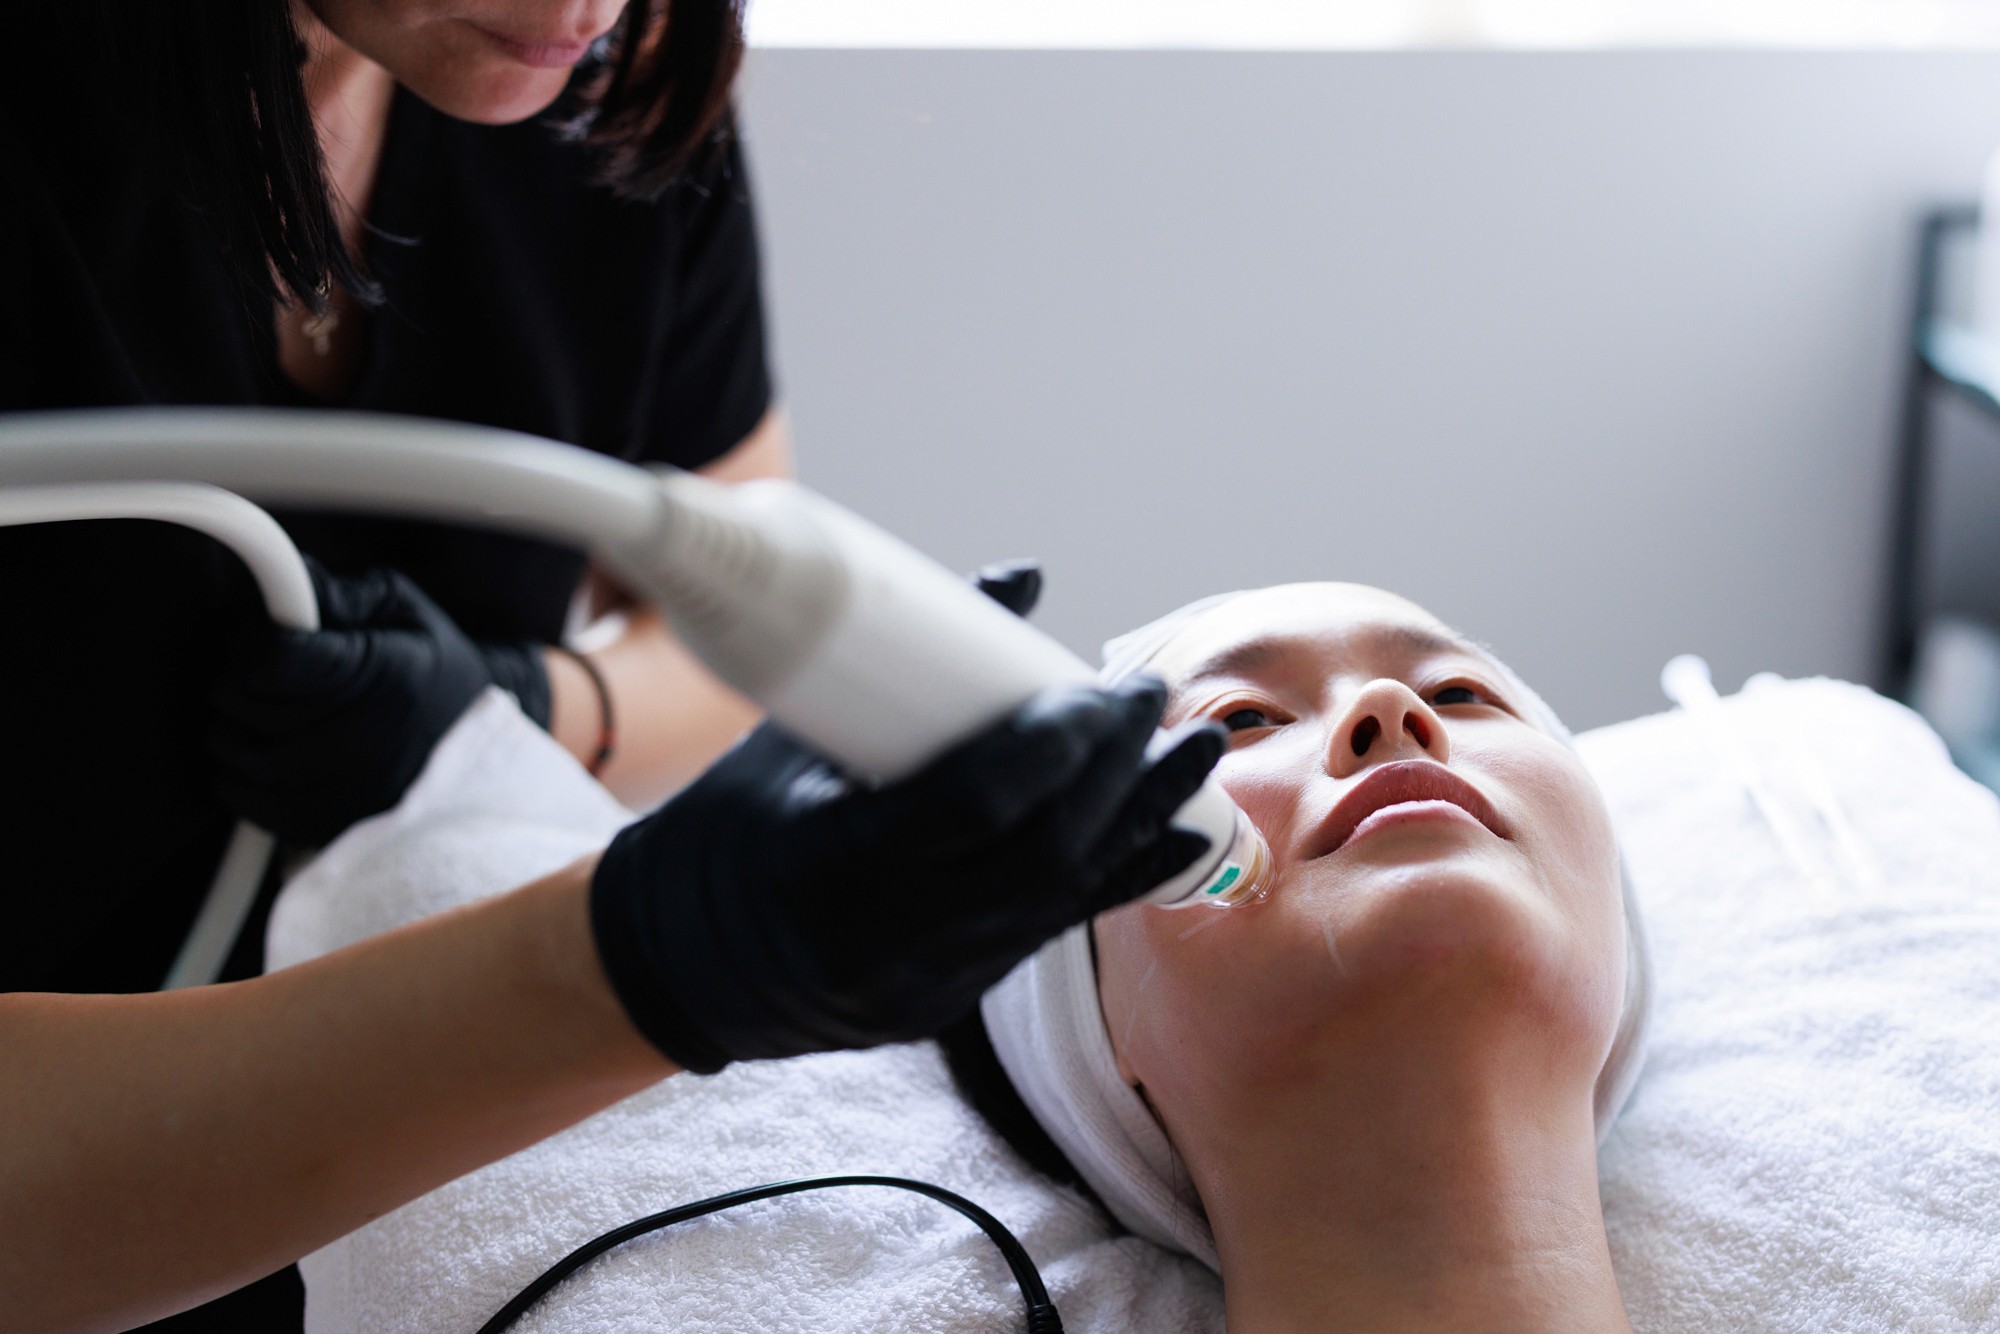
{"type": "Point", "coordinates": [1443, 1194]}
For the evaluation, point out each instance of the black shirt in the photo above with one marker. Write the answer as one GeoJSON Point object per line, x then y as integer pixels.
{"type": "Point", "coordinates": [518, 294]}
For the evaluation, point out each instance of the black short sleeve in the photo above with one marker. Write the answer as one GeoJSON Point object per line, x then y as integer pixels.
{"type": "Point", "coordinates": [712, 382]}
{"type": "Point", "coordinates": [522, 294]}
{"type": "Point", "coordinates": [519, 293]}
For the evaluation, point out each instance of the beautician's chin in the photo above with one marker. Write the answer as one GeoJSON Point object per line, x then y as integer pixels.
{"type": "Point", "coordinates": [509, 80]}
{"type": "Point", "coordinates": [507, 98]}
{"type": "Point", "coordinates": [486, 76]}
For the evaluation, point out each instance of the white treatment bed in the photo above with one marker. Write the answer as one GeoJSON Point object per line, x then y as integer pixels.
{"type": "Point", "coordinates": [1814, 1145]}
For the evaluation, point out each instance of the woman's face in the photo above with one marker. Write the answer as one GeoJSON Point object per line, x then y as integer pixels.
{"type": "Point", "coordinates": [488, 61]}
{"type": "Point", "coordinates": [1446, 881]}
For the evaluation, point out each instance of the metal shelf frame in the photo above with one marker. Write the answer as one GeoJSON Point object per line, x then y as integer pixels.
{"type": "Point", "coordinates": [1943, 355]}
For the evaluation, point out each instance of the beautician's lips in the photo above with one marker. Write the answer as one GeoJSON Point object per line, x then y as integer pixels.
{"type": "Point", "coordinates": [539, 54]}
{"type": "Point", "coordinates": [1397, 784]}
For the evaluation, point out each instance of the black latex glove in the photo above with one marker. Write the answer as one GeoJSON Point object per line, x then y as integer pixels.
{"type": "Point", "coordinates": [775, 908]}
{"type": "Point", "coordinates": [1014, 584]}
{"type": "Point", "coordinates": [313, 730]}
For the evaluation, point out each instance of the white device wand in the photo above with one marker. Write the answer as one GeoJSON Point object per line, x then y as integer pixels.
{"type": "Point", "coordinates": [862, 647]}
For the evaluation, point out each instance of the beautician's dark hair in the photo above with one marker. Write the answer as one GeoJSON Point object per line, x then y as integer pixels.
{"type": "Point", "coordinates": [220, 80]}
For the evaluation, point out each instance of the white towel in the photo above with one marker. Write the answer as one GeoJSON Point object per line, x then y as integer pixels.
{"type": "Point", "coordinates": [1814, 1146]}
{"type": "Point", "coordinates": [1815, 1142]}
{"type": "Point", "coordinates": [500, 804]}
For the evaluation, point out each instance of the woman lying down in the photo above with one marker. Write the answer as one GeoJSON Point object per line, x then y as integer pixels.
{"type": "Point", "coordinates": [1369, 1101]}
{"type": "Point", "coordinates": [1372, 1100]}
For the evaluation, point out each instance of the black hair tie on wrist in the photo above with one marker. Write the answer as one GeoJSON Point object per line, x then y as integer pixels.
{"type": "Point", "coordinates": [607, 734]}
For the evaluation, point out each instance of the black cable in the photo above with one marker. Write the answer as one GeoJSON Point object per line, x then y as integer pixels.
{"type": "Point", "coordinates": [1042, 1317]}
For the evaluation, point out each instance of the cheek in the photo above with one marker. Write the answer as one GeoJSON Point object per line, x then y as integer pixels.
{"type": "Point", "coordinates": [1152, 1007]}
{"type": "Point", "coordinates": [1127, 966]}
{"type": "Point", "coordinates": [1564, 828]}
{"type": "Point", "coordinates": [378, 29]}
{"type": "Point", "coordinates": [1270, 781]}
{"type": "Point", "coordinates": [1560, 818]}
{"type": "Point", "coordinates": [1203, 1004]}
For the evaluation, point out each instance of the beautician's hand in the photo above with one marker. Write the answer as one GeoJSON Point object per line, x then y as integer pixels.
{"type": "Point", "coordinates": [850, 938]}
{"type": "Point", "coordinates": [775, 908]}
{"type": "Point", "coordinates": [313, 730]}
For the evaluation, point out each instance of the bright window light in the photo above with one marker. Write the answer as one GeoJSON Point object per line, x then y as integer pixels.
{"type": "Point", "coordinates": [1376, 24]}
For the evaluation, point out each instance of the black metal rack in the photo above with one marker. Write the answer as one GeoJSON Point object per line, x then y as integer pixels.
{"type": "Point", "coordinates": [1945, 354]}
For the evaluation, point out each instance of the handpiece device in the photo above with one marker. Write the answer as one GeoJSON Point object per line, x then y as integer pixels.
{"type": "Point", "coordinates": [871, 652]}
{"type": "Point", "coordinates": [859, 645]}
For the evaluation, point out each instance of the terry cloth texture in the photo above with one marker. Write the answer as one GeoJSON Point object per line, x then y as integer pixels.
{"type": "Point", "coordinates": [1815, 1144]}
{"type": "Point", "coordinates": [501, 804]}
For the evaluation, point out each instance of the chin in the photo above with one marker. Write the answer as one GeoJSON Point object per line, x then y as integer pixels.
{"type": "Point", "coordinates": [1457, 930]}
{"type": "Point", "coordinates": [499, 93]}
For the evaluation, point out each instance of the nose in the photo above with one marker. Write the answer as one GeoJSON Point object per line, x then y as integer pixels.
{"type": "Point", "coordinates": [1385, 721]}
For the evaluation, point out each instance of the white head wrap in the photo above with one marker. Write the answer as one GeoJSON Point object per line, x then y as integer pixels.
{"type": "Point", "coordinates": [1046, 1022]}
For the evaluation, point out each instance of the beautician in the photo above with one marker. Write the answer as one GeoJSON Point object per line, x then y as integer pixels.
{"type": "Point", "coordinates": [365, 204]}
{"type": "Point", "coordinates": [525, 213]}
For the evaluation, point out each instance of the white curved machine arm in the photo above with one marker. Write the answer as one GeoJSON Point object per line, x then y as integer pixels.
{"type": "Point", "coordinates": [287, 590]}
{"type": "Point", "coordinates": [870, 652]}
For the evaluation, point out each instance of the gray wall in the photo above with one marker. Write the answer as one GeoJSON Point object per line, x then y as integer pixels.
{"type": "Point", "coordinates": [1594, 354]}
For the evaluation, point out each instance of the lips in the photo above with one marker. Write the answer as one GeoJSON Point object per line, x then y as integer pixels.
{"type": "Point", "coordinates": [1397, 784]}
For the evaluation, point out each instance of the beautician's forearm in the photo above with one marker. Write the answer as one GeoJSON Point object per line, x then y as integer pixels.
{"type": "Point", "coordinates": [673, 717]}
{"type": "Point", "coordinates": [161, 1149]}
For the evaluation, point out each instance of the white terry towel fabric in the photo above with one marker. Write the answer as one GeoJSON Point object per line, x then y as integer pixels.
{"type": "Point", "coordinates": [500, 804]}
{"type": "Point", "coordinates": [1814, 1146]}
{"type": "Point", "coordinates": [1815, 1143]}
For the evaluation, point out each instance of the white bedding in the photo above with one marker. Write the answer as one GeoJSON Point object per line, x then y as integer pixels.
{"type": "Point", "coordinates": [500, 804]}
{"type": "Point", "coordinates": [1815, 1145]}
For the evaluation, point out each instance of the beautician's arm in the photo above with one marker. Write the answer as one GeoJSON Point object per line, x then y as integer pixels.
{"type": "Point", "coordinates": [672, 716]}
{"type": "Point", "coordinates": [310, 731]}
{"type": "Point", "coordinates": [156, 1150]}
{"type": "Point", "coordinates": [162, 1149]}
